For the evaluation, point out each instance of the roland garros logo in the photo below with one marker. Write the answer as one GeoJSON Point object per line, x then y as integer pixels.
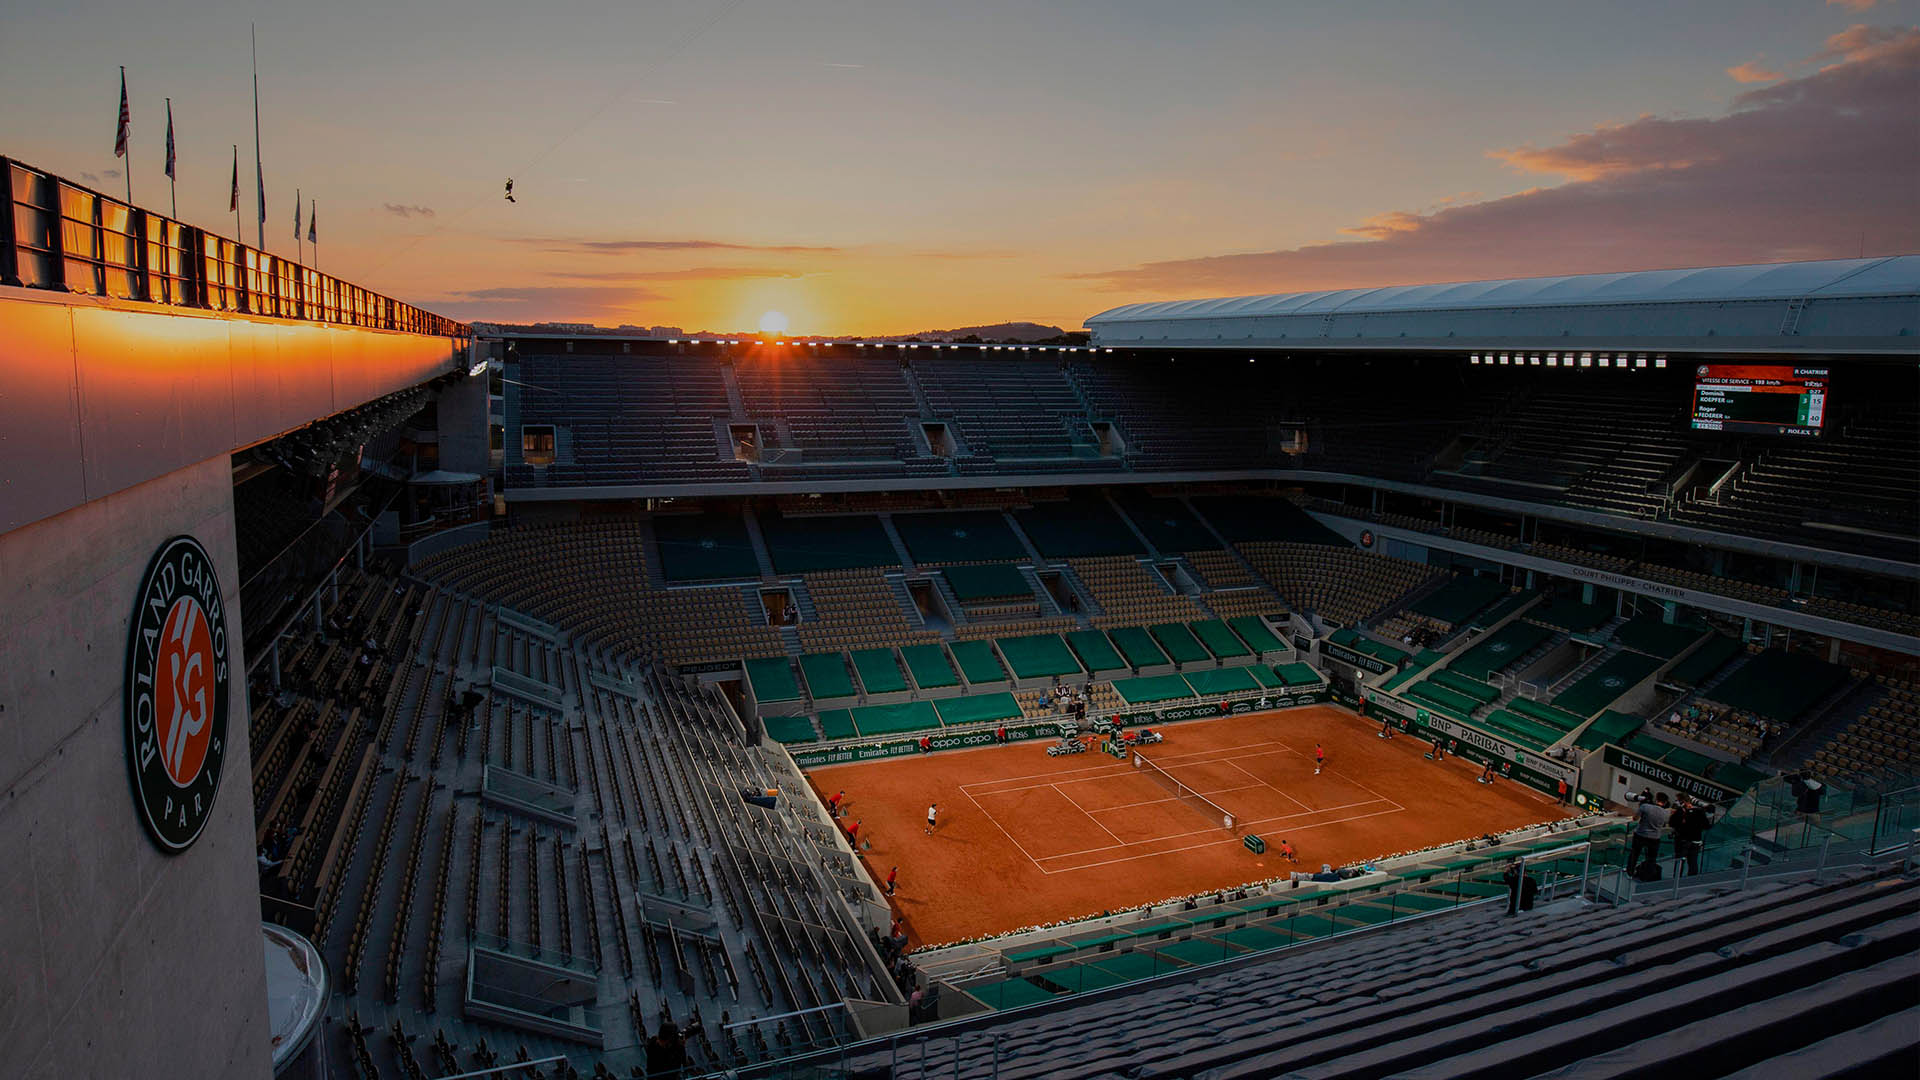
{"type": "Point", "coordinates": [176, 693]}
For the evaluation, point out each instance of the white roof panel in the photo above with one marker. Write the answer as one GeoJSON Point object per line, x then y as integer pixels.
{"type": "Point", "coordinates": [1881, 276]}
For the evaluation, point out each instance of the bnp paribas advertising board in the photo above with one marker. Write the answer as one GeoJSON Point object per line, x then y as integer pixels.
{"type": "Point", "coordinates": [1530, 768]}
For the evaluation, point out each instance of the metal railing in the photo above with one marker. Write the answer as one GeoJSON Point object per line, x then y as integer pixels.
{"type": "Point", "coordinates": [59, 235]}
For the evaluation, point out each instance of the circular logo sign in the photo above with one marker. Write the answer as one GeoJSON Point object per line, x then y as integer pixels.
{"type": "Point", "coordinates": [1366, 538]}
{"type": "Point", "coordinates": [1613, 682]}
{"type": "Point", "coordinates": [176, 693]}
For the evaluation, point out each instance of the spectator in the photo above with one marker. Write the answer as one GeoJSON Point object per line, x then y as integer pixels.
{"type": "Point", "coordinates": [1651, 820]}
{"type": "Point", "coordinates": [1689, 824]}
{"type": "Point", "coordinates": [1520, 888]}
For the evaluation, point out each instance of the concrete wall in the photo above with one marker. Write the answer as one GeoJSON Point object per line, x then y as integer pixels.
{"type": "Point", "coordinates": [115, 959]}
{"type": "Point", "coordinates": [102, 394]}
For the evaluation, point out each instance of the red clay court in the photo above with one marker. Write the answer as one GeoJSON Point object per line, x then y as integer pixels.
{"type": "Point", "coordinates": [1026, 839]}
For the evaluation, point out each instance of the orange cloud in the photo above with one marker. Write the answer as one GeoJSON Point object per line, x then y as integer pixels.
{"type": "Point", "coordinates": [1862, 42]}
{"type": "Point", "coordinates": [1381, 226]}
{"type": "Point", "coordinates": [1753, 71]}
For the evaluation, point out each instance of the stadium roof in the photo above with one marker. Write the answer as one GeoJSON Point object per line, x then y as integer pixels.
{"type": "Point", "coordinates": [1847, 304]}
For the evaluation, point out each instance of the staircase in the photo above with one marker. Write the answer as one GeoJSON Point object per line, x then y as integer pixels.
{"type": "Point", "coordinates": [1407, 599]}
{"type": "Point", "coordinates": [1089, 607]}
{"type": "Point", "coordinates": [759, 545]}
{"type": "Point", "coordinates": [736, 405]}
{"type": "Point", "coordinates": [1047, 604]}
{"type": "Point", "coordinates": [1830, 718]}
{"type": "Point", "coordinates": [650, 556]}
{"type": "Point", "coordinates": [899, 543]}
{"type": "Point", "coordinates": [904, 597]}
{"type": "Point", "coordinates": [1580, 672]}
{"type": "Point", "coordinates": [1132, 528]}
{"type": "Point", "coordinates": [803, 602]}
{"type": "Point", "coordinates": [919, 395]}
{"type": "Point", "coordinates": [1025, 540]}
{"type": "Point", "coordinates": [948, 597]}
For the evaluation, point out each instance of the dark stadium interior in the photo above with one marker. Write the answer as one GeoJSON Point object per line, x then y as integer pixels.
{"type": "Point", "coordinates": [1149, 508]}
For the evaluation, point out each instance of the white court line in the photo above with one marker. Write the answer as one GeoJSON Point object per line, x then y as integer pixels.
{"type": "Point", "coordinates": [1003, 830]}
{"type": "Point", "coordinates": [1191, 847]}
{"type": "Point", "coordinates": [1109, 772]}
{"type": "Point", "coordinates": [1261, 821]}
{"type": "Point", "coordinates": [1089, 816]}
{"type": "Point", "coordinates": [1059, 777]}
{"type": "Point", "coordinates": [1155, 802]}
{"type": "Point", "coordinates": [1196, 832]}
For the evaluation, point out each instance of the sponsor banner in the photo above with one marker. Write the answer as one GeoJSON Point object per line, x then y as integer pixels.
{"type": "Point", "coordinates": [1187, 712]}
{"type": "Point", "coordinates": [1473, 744]}
{"type": "Point", "coordinates": [707, 667]}
{"type": "Point", "coordinates": [1667, 776]}
{"type": "Point", "coordinates": [1504, 751]}
{"type": "Point", "coordinates": [175, 698]}
{"type": "Point", "coordinates": [1353, 658]}
{"type": "Point", "coordinates": [982, 737]}
{"type": "Point", "coordinates": [1346, 699]}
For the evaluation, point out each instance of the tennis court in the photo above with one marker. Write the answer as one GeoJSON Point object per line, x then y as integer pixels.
{"type": "Point", "coordinates": [1060, 837]}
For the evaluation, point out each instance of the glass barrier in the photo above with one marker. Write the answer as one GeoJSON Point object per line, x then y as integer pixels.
{"type": "Point", "coordinates": [65, 236]}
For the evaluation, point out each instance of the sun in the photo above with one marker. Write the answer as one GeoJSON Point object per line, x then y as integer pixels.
{"type": "Point", "coordinates": [773, 322]}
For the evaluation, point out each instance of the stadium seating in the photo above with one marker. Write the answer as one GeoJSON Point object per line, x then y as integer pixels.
{"type": "Point", "coordinates": [1129, 593]}
{"type": "Point", "coordinates": [1007, 407]}
{"type": "Point", "coordinates": [1712, 982]}
{"type": "Point", "coordinates": [850, 408]}
{"type": "Point", "coordinates": [856, 609]}
{"type": "Point", "coordinates": [618, 421]}
{"type": "Point", "coordinates": [1850, 493]}
{"type": "Point", "coordinates": [1882, 743]}
{"type": "Point", "coordinates": [1344, 585]}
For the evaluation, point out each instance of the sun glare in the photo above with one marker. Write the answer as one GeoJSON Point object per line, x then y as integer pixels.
{"type": "Point", "coordinates": [773, 322]}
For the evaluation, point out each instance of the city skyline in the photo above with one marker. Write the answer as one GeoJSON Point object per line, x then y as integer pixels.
{"type": "Point", "coordinates": [886, 169]}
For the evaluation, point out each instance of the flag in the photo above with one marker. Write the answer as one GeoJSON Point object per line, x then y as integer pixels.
{"type": "Point", "coordinates": [169, 138]}
{"type": "Point", "coordinates": [313, 223]}
{"type": "Point", "coordinates": [126, 119]}
{"type": "Point", "coordinates": [260, 182]}
{"type": "Point", "coordinates": [296, 213]}
{"type": "Point", "coordinates": [233, 196]}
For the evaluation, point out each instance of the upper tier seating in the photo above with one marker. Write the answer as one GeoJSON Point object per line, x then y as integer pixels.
{"type": "Point", "coordinates": [847, 408]}
{"type": "Point", "coordinates": [1007, 407]}
{"type": "Point", "coordinates": [618, 420]}
{"type": "Point", "coordinates": [1851, 493]}
{"type": "Point", "coordinates": [1344, 585]}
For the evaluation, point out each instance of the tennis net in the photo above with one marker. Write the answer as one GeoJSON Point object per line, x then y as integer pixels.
{"type": "Point", "coordinates": [1182, 792]}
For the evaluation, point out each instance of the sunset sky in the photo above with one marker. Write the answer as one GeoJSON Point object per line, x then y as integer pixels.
{"type": "Point", "coordinates": [896, 165]}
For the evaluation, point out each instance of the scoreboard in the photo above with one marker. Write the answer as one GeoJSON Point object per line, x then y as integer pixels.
{"type": "Point", "coordinates": [1759, 399]}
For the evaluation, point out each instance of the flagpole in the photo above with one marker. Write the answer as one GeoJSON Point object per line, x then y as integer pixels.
{"type": "Point", "coordinates": [173, 190]}
{"type": "Point", "coordinates": [239, 231]}
{"type": "Point", "coordinates": [123, 98]}
{"type": "Point", "coordinates": [259, 170]}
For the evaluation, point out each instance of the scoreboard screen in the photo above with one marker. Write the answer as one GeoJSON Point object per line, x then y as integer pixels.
{"type": "Point", "coordinates": [1759, 399]}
